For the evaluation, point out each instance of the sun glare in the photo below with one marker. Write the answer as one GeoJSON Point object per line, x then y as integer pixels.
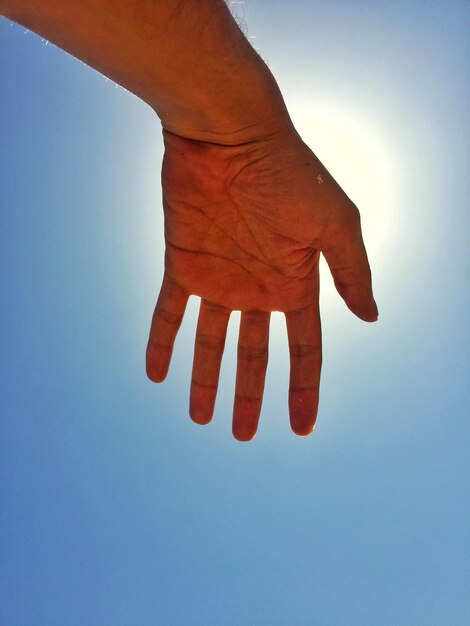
{"type": "Point", "coordinates": [356, 155]}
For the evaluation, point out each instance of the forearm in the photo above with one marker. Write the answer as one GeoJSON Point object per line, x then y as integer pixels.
{"type": "Point", "coordinates": [187, 59]}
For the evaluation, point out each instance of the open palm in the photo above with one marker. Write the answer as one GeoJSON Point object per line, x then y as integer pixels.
{"type": "Point", "coordinates": [244, 227]}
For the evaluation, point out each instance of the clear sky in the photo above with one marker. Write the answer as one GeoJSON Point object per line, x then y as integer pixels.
{"type": "Point", "coordinates": [116, 509]}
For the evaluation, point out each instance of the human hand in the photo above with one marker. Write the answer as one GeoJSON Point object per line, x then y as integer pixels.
{"type": "Point", "coordinates": [244, 227]}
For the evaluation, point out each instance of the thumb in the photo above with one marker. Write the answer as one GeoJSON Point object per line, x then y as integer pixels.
{"type": "Point", "coordinates": [344, 251]}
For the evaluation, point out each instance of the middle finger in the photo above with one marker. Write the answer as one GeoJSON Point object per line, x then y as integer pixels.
{"type": "Point", "coordinates": [251, 372]}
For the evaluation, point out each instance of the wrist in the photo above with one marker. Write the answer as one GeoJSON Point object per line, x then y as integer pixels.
{"type": "Point", "coordinates": [239, 110]}
{"type": "Point", "coordinates": [232, 132]}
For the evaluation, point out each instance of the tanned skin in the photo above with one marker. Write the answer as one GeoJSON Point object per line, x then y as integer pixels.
{"type": "Point", "coordinates": [248, 206]}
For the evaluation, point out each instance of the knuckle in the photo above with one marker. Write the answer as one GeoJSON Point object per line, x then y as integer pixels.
{"type": "Point", "coordinates": [156, 345]}
{"type": "Point", "coordinates": [167, 316]}
{"type": "Point", "coordinates": [301, 390]}
{"type": "Point", "coordinates": [302, 350]}
{"type": "Point", "coordinates": [250, 353]}
{"type": "Point", "coordinates": [216, 309]}
{"type": "Point", "coordinates": [248, 399]}
{"type": "Point", "coordinates": [205, 340]}
{"type": "Point", "coordinates": [255, 314]}
{"type": "Point", "coordinates": [209, 386]}
{"type": "Point", "coordinates": [258, 319]}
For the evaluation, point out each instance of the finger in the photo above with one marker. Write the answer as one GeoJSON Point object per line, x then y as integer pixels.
{"type": "Point", "coordinates": [304, 336]}
{"type": "Point", "coordinates": [209, 347]}
{"type": "Point", "coordinates": [166, 321]}
{"type": "Point", "coordinates": [346, 256]}
{"type": "Point", "coordinates": [251, 372]}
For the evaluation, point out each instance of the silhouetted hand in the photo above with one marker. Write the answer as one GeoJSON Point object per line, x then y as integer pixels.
{"type": "Point", "coordinates": [244, 227]}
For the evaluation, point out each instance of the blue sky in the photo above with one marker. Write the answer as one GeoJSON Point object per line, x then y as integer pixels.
{"type": "Point", "coordinates": [118, 510]}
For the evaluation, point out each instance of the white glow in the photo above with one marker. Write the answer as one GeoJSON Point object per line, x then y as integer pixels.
{"type": "Point", "coordinates": [358, 157]}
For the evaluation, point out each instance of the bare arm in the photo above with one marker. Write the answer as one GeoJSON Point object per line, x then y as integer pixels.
{"type": "Point", "coordinates": [187, 59]}
{"type": "Point", "coordinates": [248, 206]}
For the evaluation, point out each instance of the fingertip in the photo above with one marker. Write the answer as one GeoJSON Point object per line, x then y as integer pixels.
{"type": "Point", "coordinates": [155, 375]}
{"type": "Point", "coordinates": [303, 429]}
{"type": "Point", "coordinates": [243, 434]}
{"type": "Point", "coordinates": [200, 418]}
{"type": "Point", "coordinates": [199, 413]}
{"type": "Point", "coordinates": [246, 413]}
{"type": "Point", "coordinates": [303, 409]}
{"type": "Point", "coordinates": [369, 314]}
{"type": "Point", "coordinates": [156, 366]}
{"type": "Point", "coordinates": [360, 301]}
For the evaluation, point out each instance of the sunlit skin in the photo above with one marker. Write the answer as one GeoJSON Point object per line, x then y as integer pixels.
{"type": "Point", "coordinates": [243, 229]}
{"type": "Point", "coordinates": [248, 207]}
